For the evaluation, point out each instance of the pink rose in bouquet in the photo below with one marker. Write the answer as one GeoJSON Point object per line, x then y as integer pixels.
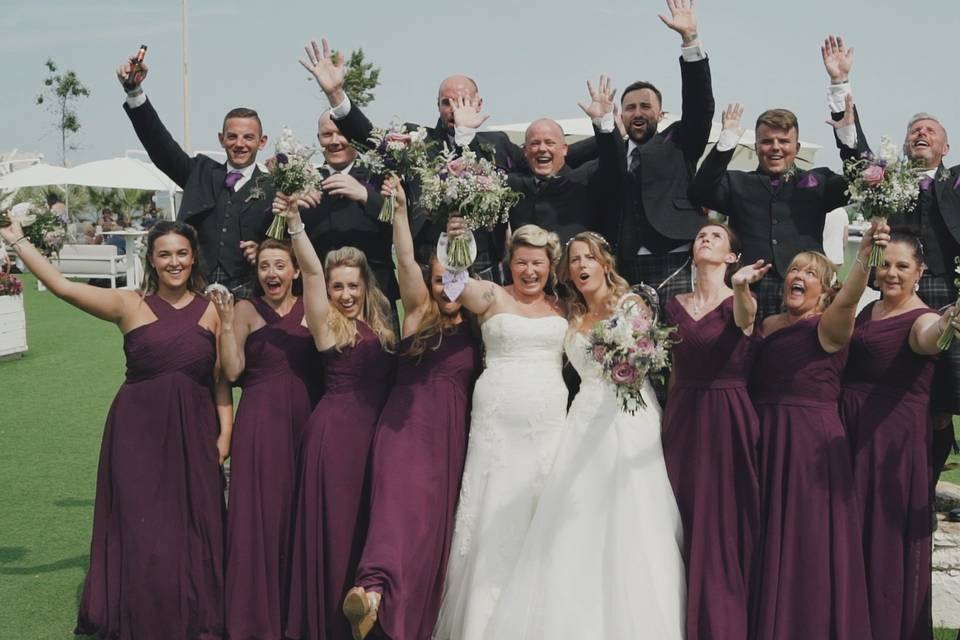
{"type": "Point", "coordinates": [457, 166]}
{"type": "Point", "coordinates": [873, 175]}
{"type": "Point", "coordinates": [640, 324]}
{"type": "Point", "coordinates": [599, 352]}
{"type": "Point", "coordinates": [623, 373]}
{"type": "Point", "coordinates": [645, 346]}
{"type": "Point", "coordinates": [394, 136]}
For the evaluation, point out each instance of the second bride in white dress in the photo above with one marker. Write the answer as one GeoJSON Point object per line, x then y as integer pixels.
{"type": "Point", "coordinates": [602, 556]}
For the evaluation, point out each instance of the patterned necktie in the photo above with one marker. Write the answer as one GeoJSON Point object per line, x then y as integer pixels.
{"type": "Point", "coordinates": [232, 179]}
{"type": "Point", "coordinates": [634, 160]}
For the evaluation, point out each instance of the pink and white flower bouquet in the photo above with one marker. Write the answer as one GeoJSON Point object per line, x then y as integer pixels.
{"type": "Point", "coordinates": [630, 346]}
{"type": "Point", "coordinates": [882, 184]}
{"type": "Point", "coordinates": [468, 186]}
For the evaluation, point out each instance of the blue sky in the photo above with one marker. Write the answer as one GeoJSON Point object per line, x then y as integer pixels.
{"type": "Point", "coordinates": [530, 59]}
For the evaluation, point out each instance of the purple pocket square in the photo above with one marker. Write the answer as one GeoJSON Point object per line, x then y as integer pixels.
{"type": "Point", "coordinates": [956, 183]}
{"type": "Point", "coordinates": [809, 181]}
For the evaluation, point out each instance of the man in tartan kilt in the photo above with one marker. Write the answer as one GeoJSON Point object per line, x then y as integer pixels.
{"type": "Point", "coordinates": [936, 221]}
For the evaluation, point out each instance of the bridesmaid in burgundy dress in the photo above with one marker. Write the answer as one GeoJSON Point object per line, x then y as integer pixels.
{"type": "Point", "coordinates": [886, 410]}
{"type": "Point", "coordinates": [156, 557]}
{"type": "Point", "coordinates": [264, 343]}
{"type": "Point", "coordinates": [810, 574]}
{"type": "Point", "coordinates": [418, 455]}
{"type": "Point", "coordinates": [711, 434]}
{"type": "Point", "coordinates": [349, 319]}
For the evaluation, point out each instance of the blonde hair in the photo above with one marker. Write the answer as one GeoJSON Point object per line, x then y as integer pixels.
{"type": "Point", "coordinates": [374, 309]}
{"type": "Point", "coordinates": [600, 248]}
{"type": "Point", "coordinates": [826, 273]}
{"type": "Point", "coordinates": [530, 235]}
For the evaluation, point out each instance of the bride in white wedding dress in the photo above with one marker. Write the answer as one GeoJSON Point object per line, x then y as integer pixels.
{"type": "Point", "coordinates": [602, 556]}
{"type": "Point", "coordinates": [519, 406]}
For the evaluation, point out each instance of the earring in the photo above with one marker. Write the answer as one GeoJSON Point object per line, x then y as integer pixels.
{"type": "Point", "coordinates": [916, 286]}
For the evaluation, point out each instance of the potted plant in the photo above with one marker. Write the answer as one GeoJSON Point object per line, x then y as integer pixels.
{"type": "Point", "coordinates": [13, 321]}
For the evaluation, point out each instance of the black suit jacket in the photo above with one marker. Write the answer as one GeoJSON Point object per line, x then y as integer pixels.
{"type": "Point", "coordinates": [341, 222]}
{"type": "Point", "coordinates": [936, 220]}
{"type": "Point", "coordinates": [774, 224]}
{"type": "Point", "coordinates": [201, 179]}
{"type": "Point", "coordinates": [658, 189]}
{"type": "Point", "coordinates": [572, 200]}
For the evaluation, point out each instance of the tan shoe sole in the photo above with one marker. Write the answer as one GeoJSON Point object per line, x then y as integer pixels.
{"type": "Point", "coordinates": [359, 612]}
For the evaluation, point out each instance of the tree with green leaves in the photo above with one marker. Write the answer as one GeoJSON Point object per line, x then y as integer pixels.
{"type": "Point", "coordinates": [60, 93]}
{"type": "Point", "coordinates": [360, 79]}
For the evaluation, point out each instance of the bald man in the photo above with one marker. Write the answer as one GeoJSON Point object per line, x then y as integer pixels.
{"type": "Point", "coordinates": [455, 91]}
{"type": "Point", "coordinates": [557, 197]}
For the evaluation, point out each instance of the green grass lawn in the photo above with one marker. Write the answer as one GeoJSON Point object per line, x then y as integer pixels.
{"type": "Point", "coordinates": [53, 403]}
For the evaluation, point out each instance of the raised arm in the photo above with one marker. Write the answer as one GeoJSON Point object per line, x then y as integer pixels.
{"type": "Point", "coordinates": [710, 186]}
{"type": "Point", "coordinates": [163, 150]}
{"type": "Point", "coordinates": [838, 62]}
{"type": "Point", "coordinates": [610, 168]}
{"type": "Point", "coordinates": [744, 304]}
{"type": "Point", "coordinates": [836, 325]}
{"type": "Point", "coordinates": [329, 70]}
{"type": "Point", "coordinates": [697, 106]}
{"type": "Point", "coordinates": [316, 305]}
{"type": "Point", "coordinates": [413, 292]}
{"type": "Point", "coordinates": [106, 304]}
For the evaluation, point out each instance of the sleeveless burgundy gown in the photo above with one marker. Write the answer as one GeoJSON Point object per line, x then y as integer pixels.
{"type": "Point", "coordinates": [710, 440]}
{"type": "Point", "coordinates": [156, 557]}
{"type": "Point", "coordinates": [811, 580]}
{"type": "Point", "coordinates": [886, 410]}
{"type": "Point", "coordinates": [280, 384]}
{"type": "Point", "coordinates": [332, 504]}
{"type": "Point", "coordinates": [418, 455]}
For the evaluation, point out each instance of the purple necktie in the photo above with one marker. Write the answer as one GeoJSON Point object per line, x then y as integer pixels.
{"type": "Point", "coordinates": [232, 179]}
{"type": "Point", "coordinates": [925, 183]}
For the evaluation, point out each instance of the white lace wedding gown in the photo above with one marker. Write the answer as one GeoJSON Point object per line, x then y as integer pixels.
{"type": "Point", "coordinates": [602, 558]}
{"type": "Point", "coordinates": [519, 406]}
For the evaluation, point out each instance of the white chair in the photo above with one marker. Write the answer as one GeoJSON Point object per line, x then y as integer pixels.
{"type": "Point", "coordinates": [90, 261]}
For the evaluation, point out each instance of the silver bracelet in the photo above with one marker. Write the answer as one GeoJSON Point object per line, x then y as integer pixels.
{"type": "Point", "coordinates": [865, 268]}
{"type": "Point", "coordinates": [296, 230]}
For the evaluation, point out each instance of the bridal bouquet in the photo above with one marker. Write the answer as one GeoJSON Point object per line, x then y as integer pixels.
{"type": "Point", "coordinates": [292, 174]}
{"type": "Point", "coordinates": [946, 339]}
{"type": "Point", "coordinates": [395, 151]}
{"type": "Point", "coordinates": [629, 346]}
{"type": "Point", "coordinates": [882, 184]}
{"type": "Point", "coordinates": [45, 231]}
{"type": "Point", "coordinates": [467, 186]}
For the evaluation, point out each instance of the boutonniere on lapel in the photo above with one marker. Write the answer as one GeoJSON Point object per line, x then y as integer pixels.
{"type": "Point", "coordinates": [789, 174]}
{"type": "Point", "coordinates": [292, 174]}
{"type": "Point", "coordinates": [881, 185]}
